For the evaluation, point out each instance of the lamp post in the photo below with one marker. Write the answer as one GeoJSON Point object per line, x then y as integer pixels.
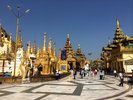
{"type": "Point", "coordinates": [90, 58]}
{"type": "Point", "coordinates": [18, 16]}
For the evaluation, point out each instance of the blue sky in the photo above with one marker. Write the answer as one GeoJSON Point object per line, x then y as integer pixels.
{"type": "Point", "coordinates": [89, 22]}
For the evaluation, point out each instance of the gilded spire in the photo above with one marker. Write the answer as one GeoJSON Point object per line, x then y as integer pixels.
{"type": "Point", "coordinates": [38, 51]}
{"type": "Point", "coordinates": [44, 44]}
{"type": "Point", "coordinates": [34, 48]}
{"type": "Point", "coordinates": [50, 47]}
{"type": "Point", "coordinates": [54, 49]}
{"type": "Point", "coordinates": [118, 33]}
{"type": "Point", "coordinates": [79, 49]}
{"type": "Point", "coordinates": [28, 48]}
{"type": "Point", "coordinates": [117, 23]}
{"type": "Point", "coordinates": [19, 41]}
{"type": "Point", "coordinates": [68, 46]}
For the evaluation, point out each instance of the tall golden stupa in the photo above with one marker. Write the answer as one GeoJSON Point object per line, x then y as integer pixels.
{"type": "Point", "coordinates": [118, 54]}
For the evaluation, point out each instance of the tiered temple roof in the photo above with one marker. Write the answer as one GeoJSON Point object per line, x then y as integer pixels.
{"type": "Point", "coordinates": [76, 56]}
{"type": "Point", "coordinates": [68, 46]}
{"type": "Point", "coordinates": [119, 50]}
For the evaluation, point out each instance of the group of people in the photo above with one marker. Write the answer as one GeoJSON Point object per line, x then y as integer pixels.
{"type": "Point", "coordinates": [84, 73]}
{"type": "Point", "coordinates": [89, 72]}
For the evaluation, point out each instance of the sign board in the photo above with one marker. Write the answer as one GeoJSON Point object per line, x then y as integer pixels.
{"type": "Point", "coordinates": [63, 67]}
{"type": "Point", "coordinates": [129, 62]}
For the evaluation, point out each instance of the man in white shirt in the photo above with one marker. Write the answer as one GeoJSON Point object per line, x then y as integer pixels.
{"type": "Point", "coordinates": [121, 78]}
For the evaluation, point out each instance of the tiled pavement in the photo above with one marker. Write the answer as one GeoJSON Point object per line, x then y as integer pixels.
{"type": "Point", "coordinates": [88, 88]}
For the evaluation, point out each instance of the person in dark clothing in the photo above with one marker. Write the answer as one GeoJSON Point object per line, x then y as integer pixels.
{"type": "Point", "coordinates": [74, 73]}
{"type": "Point", "coordinates": [81, 73]}
{"type": "Point", "coordinates": [115, 73]}
{"type": "Point", "coordinates": [57, 74]}
{"type": "Point", "coordinates": [121, 79]}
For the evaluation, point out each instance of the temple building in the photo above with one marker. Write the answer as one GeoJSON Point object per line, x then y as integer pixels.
{"type": "Point", "coordinates": [47, 57]}
{"type": "Point", "coordinates": [12, 56]}
{"type": "Point", "coordinates": [70, 53]}
{"type": "Point", "coordinates": [7, 52]}
{"type": "Point", "coordinates": [7, 46]}
{"type": "Point", "coordinates": [80, 58]}
{"type": "Point", "coordinates": [118, 55]}
{"type": "Point", "coordinates": [70, 59]}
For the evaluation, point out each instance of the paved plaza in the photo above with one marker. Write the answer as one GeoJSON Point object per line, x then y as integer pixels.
{"type": "Point", "coordinates": [88, 88]}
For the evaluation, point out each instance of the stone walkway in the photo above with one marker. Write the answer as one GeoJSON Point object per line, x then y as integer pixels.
{"type": "Point", "coordinates": [88, 88]}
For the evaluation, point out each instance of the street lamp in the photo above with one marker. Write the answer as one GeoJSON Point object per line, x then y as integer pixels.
{"type": "Point", "coordinates": [90, 58]}
{"type": "Point", "coordinates": [18, 16]}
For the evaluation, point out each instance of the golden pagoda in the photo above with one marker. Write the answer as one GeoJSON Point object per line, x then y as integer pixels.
{"type": "Point", "coordinates": [46, 57]}
{"type": "Point", "coordinates": [80, 58]}
{"type": "Point", "coordinates": [117, 53]}
{"type": "Point", "coordinates": [70, 53]}
{"type": "Point", "coordinates": [73, 59]}
{"type": "Point", "coordinates": [7, 48]}
{"type": "Point", "coordinates": [6, 42]}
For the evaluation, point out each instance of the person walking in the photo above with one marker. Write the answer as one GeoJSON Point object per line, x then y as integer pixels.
{"type": "Point", "coordinates": [57, 75]}
{"type": "Point", "coordinates": [81, 73]}
{"type": "Point", "coordinates": [84, 72]}
{"type": "Point", "coordinates": [101, 75]}
{"type": "Point", "coordinates": [74, 73]}
{"type": "Point", "coordinates": [121, 79]}
{"type": "Point", "coordinates": [115, 73]}
{"type": "Point", "coordinates": [95, 72]}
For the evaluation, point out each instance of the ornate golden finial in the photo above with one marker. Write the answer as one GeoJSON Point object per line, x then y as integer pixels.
{"type": "Point", "coordinates": [79, 49]}
{"type": "Point", "coordinates": [117, 23]}
{"type": "Point", "coordinates": [10, 37]}
{"type": "Point", "coordinates": [44, 44]}
{"type": "Point", "coordinates": [68, 36]}
{"type": "Point", "coordinates": [78, 46]}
